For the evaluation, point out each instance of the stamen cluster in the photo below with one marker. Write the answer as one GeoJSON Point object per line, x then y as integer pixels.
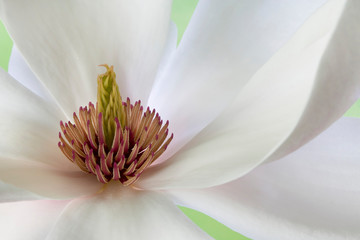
{"type": "Point", "coordinates": [134, 147]}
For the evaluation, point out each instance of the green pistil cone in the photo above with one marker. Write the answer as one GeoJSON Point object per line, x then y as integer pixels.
{"type": "Point", "coordinates": [110, 103]}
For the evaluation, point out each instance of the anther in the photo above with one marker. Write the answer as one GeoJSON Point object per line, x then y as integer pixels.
{"type": "Point", "coordinates": [111, 139]}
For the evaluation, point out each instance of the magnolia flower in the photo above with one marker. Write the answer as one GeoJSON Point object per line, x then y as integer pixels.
{"type": "Point", "coordinates": [250, 82]}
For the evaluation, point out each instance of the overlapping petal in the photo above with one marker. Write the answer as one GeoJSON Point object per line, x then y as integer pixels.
{"type": "Point", "coordinates": [29, 124]}
{"type": "Point", "coordinates": [29, 220]}
{"type": "Point", "coordinates": [224, 45]}
{"type": "Point", "coordinates": [307, 85]}
{"type": "Point", "coordinates": [29, 156]}
{"type": "Point", "coordinates": [9, 193]}
{"type": "Point", "coordinates": [313, 193]}
{"type": "Point", "coordinates": [63, 51]}
{"type": "Point", "coordinates": [123, 213]}
{"type": "Point", "coordinates": [19, 69]}
{"type": "Point", "coordinates": [270, 117]}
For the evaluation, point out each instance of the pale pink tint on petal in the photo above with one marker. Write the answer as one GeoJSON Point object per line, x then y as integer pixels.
{"type": "Point", "coordinates": [30, 220]}
{"type": "Point", "coordinates": [48, 182]}
{"type": "Point", "coordinates": [124, 213]}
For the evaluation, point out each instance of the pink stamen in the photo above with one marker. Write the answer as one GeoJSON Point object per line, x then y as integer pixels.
{"type": "Point", "coordinates": [135, 146]}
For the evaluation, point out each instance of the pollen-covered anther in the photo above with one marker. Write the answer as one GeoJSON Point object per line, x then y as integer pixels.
{"type": "Point", "coordinates": [133, 148]}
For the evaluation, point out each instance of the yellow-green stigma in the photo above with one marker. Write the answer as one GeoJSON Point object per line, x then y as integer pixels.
{"type": "Point", "coordinates": [110, 103]}
{"type": "Point", "coordinates": [114, 140]}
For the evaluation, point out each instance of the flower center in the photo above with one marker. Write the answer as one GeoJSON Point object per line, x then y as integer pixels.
{"type": "Point", "coordinates": [114, 140]}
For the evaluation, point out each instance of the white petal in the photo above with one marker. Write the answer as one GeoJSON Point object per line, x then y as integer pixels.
{"type": "Point", "coordinates": [169, 51]}
{"type": "Point", "coordinates": [20, 70]}
{"type": "Point", "coordinates": [295, 96]}
{"type": "Point", "coordinates": [28, 220]}
{"type": "Point", "coordinates": [123, 213]}
{"type": "Point", "coordinates": [224, 45]}
{"type": "Point", "coordinates": [312, 194]}
{"type": "Point", "coordinates": [29, 154]}
{"type": "Point", "coordinates": [65, 41]}
{"type": "Point", "coordinates": [9, 193]}
{"type": "Point", "coordinates": [29, 125]}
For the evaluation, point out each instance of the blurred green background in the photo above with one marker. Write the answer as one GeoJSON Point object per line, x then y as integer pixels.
{"type": "Point", "coordinates": [181, 14]}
